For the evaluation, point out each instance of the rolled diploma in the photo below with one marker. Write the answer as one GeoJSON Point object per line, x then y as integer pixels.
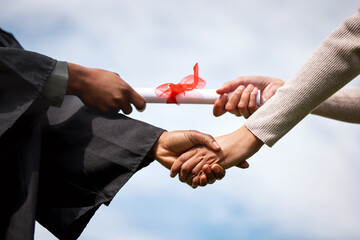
{"type": "Point", "coordinates": [196, 96]}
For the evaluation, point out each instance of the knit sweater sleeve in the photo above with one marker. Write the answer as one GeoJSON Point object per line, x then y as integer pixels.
{"type": "Point", "coordinates": [344, 105]}
{"type": "Point", "coordinates": [335, 63]}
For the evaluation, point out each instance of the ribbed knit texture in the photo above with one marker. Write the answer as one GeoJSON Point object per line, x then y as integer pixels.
{"type": "Point", "coordinates": [344, 105]}
{"type": "Point", "coordinates": [335, 63]}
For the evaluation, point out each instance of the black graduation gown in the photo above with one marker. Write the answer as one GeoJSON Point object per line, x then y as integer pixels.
{"type": "Point", "coordinates": [58, 165]}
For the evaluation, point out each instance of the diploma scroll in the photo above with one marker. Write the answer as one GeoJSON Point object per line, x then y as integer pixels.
{"type": "Point", "coordinates": [196, 96]}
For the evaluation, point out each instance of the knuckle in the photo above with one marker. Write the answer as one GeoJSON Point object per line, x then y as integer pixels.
{"type": "Point", "coordinates": [247, 90]}
{"type": "Point", "coordinates": [181, 160]}
{"type": "Point", "coordinates": [194, 172]}
{"type": "Point", "coordinates": [182, 179]}
{"type": "Point", "coordinates": [118, 98]}
{"type": "Point", "coordinates": [207, 137]}
{"type": "Point", "coordinates": [241, 106]}
{"type": "Point", "coordinates": [126, 89]}
{"type": "Point", "coordinates": [184, 170]}
{"type": "Point", "coordinates": [229, 107]}
{"type": "Point", "coordinates": [239, 90]}
{"type": "Point", "coordinates": [193, 132]}
{"type": "Point", "coordinates": [251, 106]}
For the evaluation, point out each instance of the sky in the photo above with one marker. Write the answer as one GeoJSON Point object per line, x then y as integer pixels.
{"type": "Point", "coordinates": [304, 187]}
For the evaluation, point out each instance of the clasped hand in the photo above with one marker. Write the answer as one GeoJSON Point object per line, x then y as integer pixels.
{"type": "Point", "coordinates": [197, 166]}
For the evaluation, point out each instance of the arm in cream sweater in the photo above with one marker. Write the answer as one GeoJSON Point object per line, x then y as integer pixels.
{"type": "Point", "coordinates": [335, 63]}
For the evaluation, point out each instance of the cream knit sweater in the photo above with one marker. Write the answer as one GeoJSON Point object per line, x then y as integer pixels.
{"type": "Point", "coordinates": [335, 63]}
{"type": "Point", "coordinates": [344, 105]}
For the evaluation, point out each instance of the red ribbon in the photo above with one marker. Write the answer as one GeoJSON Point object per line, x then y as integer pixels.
{"type": "Point", "coordinates": [188, 83]}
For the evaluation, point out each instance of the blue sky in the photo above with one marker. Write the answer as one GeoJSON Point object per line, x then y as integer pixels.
{"type": "Point", "coordinates": [305, 187]}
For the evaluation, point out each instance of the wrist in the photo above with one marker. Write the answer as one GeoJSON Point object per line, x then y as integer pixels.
{"type": "Point", "coordinates": [77, 78]}
{"type": "Point", "coordinates": [154, 153]}
{"type": "Point", "coordinates": [253, 140]}
{"type": "Point", "coordinates": [238, 146]}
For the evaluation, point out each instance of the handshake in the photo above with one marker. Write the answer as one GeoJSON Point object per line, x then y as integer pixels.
{"type": "Point", "coordinates": [199, 159]}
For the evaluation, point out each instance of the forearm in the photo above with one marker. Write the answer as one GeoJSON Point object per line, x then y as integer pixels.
{"type": "Point", "coordinates": [333, 64]}
{"type": "Point", "coordinates": [343, 106]}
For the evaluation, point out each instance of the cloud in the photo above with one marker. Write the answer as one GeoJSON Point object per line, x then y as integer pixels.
{"type": "Point", "coordinates": [303, 188]}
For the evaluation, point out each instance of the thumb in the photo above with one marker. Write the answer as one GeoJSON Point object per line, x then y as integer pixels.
{"type": "Point", "coordinates": [226, 88]}
{"type": "Point", "coordinates": [243, 165]}
{"type": "Point", "coordinates": [137, 100]}
{"type": "Point", "coordinates": [203, 139]}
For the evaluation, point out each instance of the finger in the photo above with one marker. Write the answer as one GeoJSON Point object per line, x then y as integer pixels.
{"type": "Point", "coordinates": [189, 169]}
{"type": "Point", "coordinates": [243, 165]}
{"type": "Point", "coordinates": [218, 171]}
{"type": "Point", "coordinates": [189, 181]}
{"type": "Point", "coordinates": [244, 101]}
{"type": "Point", "coordinates": [209, 174]}
{"type": "Point", "coordinates": [176, 167]}
{"type": "Point", "coordinates": [231, 85]}
{"type": "Point", "coordinates": [219, 105]}
{"type": "Point", "coordinates": [203, 180]}
{"type": "Point", "coordinates": [204, 139]}
{"type": "Point", "coordinates": [195, 182]}
{"type": "Point", "coordinates": [126, 108]}
{"type": "Point", "coordinates": [252, 102]}
{"type": "Point", "coordinates": [138, 101]}
{"type": "Point", "coordinates": [232, 103]}
{"type": "Point", "coordinates": [226, 88]}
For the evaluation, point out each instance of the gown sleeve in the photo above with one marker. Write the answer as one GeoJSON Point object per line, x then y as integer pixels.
{"type": "Point", "coordinates": [71, 159]}
{"type": "Point", "coordinates": [86, 160]}
{"type": "Point", "coordinates": [22, 76]}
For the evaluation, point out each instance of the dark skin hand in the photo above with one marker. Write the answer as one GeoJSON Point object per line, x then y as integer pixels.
{"type": "Point", "coordinates": [102, 90]}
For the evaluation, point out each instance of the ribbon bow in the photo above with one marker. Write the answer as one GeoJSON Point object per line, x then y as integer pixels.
{"type": "Point", "coordinates": [188, 83]}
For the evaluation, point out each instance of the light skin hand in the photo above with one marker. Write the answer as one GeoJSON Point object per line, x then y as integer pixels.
{"type": "Point", "coordinates": [102, 90]}
{"type": "Point", "coordinates": [242, 101]}
{"type": "Point", "coordinates": [236, 148]}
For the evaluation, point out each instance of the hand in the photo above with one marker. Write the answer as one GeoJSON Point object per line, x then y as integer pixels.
{"type": "Point", "coordinates": [171, 145]}
{"type": "Point", "coordinates": [102, 90]}
{"type": "Point", "coordinates": [236, 148]}
{"type": "Point", "coordinates": [209, 174]}
{"type": "Point", "coordinates": [242, 101]}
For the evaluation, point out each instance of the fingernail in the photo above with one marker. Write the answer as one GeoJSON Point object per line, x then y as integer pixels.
{"type": "Point", "coordinates": [141, 110]}
{"type": "Point", "coordinates": [216, 145]}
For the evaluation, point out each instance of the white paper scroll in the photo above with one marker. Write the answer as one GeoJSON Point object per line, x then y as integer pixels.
{"type": "Point", "coordinates": [196, 96]}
